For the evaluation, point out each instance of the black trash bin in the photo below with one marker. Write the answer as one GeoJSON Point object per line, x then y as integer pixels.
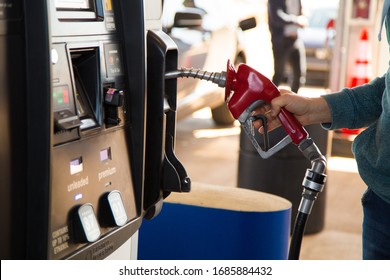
{"type": "Point", "coordinates": [283, 173]}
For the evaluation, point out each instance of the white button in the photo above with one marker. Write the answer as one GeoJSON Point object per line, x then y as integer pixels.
{"type": "Point", "coordinates": [54, 56]}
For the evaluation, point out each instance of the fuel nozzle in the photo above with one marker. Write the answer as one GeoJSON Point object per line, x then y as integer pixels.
{"type": "Point", "coordinates": [245, 90]}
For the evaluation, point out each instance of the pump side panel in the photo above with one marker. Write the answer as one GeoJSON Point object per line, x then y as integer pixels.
{"type": "Point", "coordinates": [12, 132]}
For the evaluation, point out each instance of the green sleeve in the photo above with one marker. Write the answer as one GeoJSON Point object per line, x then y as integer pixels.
{"type": "Point", "coordinates": [356, 107]}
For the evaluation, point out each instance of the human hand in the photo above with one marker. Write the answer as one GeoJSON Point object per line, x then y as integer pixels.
{"type": "Point", "coordinates": [302, 21]}
{"type": "Point", "coordinates": [305, 109]}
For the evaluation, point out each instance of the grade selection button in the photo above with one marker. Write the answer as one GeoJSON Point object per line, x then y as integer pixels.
{"type": "Point", "coordinates": [88, 229]}
{"type": "Point", "coordinates": [113, 212]}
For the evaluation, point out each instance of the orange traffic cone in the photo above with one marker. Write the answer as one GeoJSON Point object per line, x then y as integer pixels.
{"type": "Point", "coordinates": [362, 69]}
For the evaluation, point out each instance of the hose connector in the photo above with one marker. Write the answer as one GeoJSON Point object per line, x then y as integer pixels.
{"type": "Point", "coordinates": [311, 188]}
{"type": "Point", "coordinates": [315, 178]}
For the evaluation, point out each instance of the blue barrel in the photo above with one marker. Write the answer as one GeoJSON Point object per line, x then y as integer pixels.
{"type": "Point", "coordinates": [218, 223]}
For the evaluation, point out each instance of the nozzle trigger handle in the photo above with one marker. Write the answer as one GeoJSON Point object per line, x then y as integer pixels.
{"type": "Point", "coordinates": [250, 89]}
{"type": "Point", "coordinates": [292, 127]}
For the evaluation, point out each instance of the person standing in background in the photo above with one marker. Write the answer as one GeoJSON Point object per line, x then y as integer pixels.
{"type": "Point", "coordinates": [284, 19]}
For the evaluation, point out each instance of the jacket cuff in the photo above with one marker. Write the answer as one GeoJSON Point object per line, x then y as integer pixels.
{"type": "Point", "coordinates": [341, 108]}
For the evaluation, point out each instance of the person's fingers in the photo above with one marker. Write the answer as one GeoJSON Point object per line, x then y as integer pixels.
{"type": "Point", "coordinates": [270, 126]}
{"type": "Point", "coordinates": [271, 111]}
{"type": "Point", "coordinates": [263, 110]}
{"type": "Point", "coordinates": [282, 101]}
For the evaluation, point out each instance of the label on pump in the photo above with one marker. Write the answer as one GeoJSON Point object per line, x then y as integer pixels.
{"type": "Point", "coordinates": [113, 57]}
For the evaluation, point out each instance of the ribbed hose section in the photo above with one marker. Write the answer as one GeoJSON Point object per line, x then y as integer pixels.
{"type": "Point", "coordinates": [296, 239]}
{"type": "Point", "coordinates": [218, 78]}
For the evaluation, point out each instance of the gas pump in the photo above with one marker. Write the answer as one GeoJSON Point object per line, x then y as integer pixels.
{"type": "Point", "coordinates": [94, 158]}
{"type": "Point", "coordinates": [74, 153]}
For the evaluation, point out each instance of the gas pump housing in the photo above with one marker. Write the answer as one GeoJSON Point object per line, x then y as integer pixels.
{"type": "Point", "coordinates": [73, 123]}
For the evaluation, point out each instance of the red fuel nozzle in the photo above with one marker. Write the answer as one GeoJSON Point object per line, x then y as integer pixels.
{"type": "Point", "coordinates": [246, 89]}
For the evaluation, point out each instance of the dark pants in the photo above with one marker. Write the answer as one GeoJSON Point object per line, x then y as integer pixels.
{"type": "Point", "coordinates": [376, 227]}
{"type": "Point", "coordinates": [292, 51]}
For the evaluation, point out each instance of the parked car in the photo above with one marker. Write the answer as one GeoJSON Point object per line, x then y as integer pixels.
{"type": "Point", "coordinates": [318, 38]}
{"type": "Point", "coordinates": [207, 35]}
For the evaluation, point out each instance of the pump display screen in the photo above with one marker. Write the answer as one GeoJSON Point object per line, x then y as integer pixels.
{"type": "Point", "coordinates": [73, 4]}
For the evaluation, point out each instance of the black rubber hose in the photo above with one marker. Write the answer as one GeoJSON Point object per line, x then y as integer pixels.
{"type": "Point", "coordinates": [296, 239]}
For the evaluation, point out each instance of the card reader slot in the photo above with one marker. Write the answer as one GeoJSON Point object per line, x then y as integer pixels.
{"type": "Point", "coordinates": [85, 64]}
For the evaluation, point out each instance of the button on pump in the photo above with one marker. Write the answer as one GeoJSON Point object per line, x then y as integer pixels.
{"type": "Point", "coordinates": [86, 225]}
{"type": "Point", "coordinates": [112, 211]}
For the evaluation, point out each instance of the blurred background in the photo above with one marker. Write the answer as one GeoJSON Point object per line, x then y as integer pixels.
{"type": "Point", "coordinates": [208, 138]}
